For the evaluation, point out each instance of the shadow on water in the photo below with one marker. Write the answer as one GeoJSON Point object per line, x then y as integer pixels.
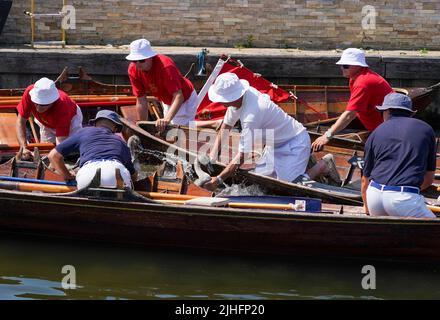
{"type": "Point", "coordinates": [31, 269]}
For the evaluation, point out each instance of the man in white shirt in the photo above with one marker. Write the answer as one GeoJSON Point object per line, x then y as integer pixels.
{"type": "Point", "coordinates": [287, 143]}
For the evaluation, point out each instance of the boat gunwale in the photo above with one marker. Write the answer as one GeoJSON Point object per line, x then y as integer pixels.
{"type": "Point", "coordinates": [193, 210]}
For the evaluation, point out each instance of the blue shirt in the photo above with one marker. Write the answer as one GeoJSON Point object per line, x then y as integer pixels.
{"type": "Point", "coordinates": [400, 151]}
{"type": "Point", "coordinates": [97, 143]}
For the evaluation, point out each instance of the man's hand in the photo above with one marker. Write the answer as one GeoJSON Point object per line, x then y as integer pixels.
{"type": "Point", "coordinates": [319, 143]}
{"type": "Point", "coordinates": [70, 175]}
{"type": "Point", "coordinates": [26, 154]}
{"type": "Point", "coordinates": [211, 185]}
{"type": "Point", "coordinates": [161, 124]}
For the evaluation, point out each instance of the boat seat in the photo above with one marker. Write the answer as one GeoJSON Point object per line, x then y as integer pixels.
{"type": "Point", "coordinates": [27, 169]}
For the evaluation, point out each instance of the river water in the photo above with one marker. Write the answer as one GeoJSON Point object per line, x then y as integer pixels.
{"type": "Point", "coordinates": [31, 268]}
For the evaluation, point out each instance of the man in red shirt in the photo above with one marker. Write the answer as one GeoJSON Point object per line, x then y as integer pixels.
{"type": "Point", "coordinates": [56, 114]}
{"type": "Point", "coordinates": [367, 90]}
{"type": "Point", "coordinates": [158, 75]}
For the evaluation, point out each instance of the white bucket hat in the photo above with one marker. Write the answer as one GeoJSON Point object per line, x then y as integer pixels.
{"type": "Point", "coordinates": [44, 92]}
{"type": "Point", "coordinates": [227, 88]}
{"type": "Point", "coordinates": [353, 57]}
{"type": "Point", "coordinates": [139, 50]}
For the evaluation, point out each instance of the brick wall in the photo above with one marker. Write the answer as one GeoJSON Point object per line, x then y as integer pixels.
{"type": "Point", "coordinates": [400, 24]}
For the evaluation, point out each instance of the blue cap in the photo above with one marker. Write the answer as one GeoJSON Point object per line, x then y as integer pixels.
{"type": "Point", "coordinates": [396, 101]}
{"type": "Point", "coordinates": [107, 114]}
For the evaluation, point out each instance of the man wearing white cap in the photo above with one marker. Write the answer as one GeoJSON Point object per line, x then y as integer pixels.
{"type": "Point", "coordinates": [158, 75]}
{"type": "Point", "coordinates": [284, 158]}
{"type": "Point", "coordinates": [367, 90]}
{"type": "Point", "coordinates": [400, 160]}
{"type": "Point", "coordinates": [56, 114]}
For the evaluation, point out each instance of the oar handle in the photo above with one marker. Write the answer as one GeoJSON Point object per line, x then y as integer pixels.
{"type": "Point", "coordinates": [38, 181]}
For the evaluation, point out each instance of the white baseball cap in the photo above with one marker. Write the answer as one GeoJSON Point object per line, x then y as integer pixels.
{"type": "Point", "coordinates": [353, 57]}
{"type": "Point", "coordinates": [227, 88]}
{"type": "Point", "coordinates": [44, 92]}
{"type": "Point", "coordinates": [139, 50]}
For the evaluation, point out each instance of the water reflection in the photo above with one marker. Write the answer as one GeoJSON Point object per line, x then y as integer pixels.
{"type": "Point", "coordinates": [31, 269]}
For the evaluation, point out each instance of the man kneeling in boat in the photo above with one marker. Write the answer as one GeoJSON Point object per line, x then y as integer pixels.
{"type": "Point", "coordinates": [99, 147]}
{"type": "Point", "coordinates": [289, 154]}
{"type": "Point", "coordinates": [55, 112]}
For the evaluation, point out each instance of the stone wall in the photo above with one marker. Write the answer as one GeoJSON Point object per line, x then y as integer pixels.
{"type": "Point", "coordinates": [399, 24]}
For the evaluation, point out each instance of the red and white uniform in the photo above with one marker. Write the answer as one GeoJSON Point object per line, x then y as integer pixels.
{"type": "Point", "coordinates": [368, 91]}
{"type": "Point", "coordinates": [62, 119]}
{"type": "Point", "coordinates": [163, 80]}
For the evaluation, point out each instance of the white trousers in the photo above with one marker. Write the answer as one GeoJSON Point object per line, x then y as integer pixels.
{"type": "Point", "coordinates": [288, 161]}
{"type": "Point", "coordinates": [49, 134]}
{"type": "Point", "coordinates": [397, 204]}
{"type": "Point", "coordinates": [187, 111]}
{"type": "Point", "coordinates": [108, 173]}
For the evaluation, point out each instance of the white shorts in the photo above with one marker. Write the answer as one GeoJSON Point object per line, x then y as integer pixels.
{"type": "Point", "coordinates": [288, 161]}
{"type": "Point", "coordinates": [49, 135]}
{"type": "Point", "coordinates": [108, 173]}
{"type": "Point", "coordinates": [397, 204]}
{"type": "Point", "coordinates": [187, 111]}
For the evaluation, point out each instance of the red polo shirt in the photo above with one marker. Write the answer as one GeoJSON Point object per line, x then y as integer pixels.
{"type": "Point", "coordinates": [58, 116]}
{"type": "Point", "coordinates": [161, 81]}
{"type": "Point", "coordinates": [368, 90]}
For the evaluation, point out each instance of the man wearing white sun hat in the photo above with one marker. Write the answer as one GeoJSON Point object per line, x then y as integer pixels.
{"type": "Point", "coordinates": [284, 158]}
{"type": "Point", "coordinates": [158, 75]}
{"type": "Point", "coordinates": [367, 90]}
{"type": "Point", "coordinates": [55, 112]}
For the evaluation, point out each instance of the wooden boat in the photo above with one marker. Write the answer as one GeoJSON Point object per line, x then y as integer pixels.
{"type": "Point", "coordinates": [128, 217]}
{"type": "Point", "coordinates": [125, 217]}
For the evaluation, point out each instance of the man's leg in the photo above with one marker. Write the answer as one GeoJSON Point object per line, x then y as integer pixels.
{"type": "Point", "coordinates": [325, 167]}
{"type": "Point", "coordinates": [291, 159]}
{"type": "Point", "coordinates": [76, 123]}
{"type": "Point", "coordinates": [108, 174]}
{"type": "Point", "coordinates": [405, 204]}
{"type": "Point", "coordinates": [46, 134]}
{"type": "Point", "coordinates": [187, 111]}
{"type": "Point", "coordinates": [375, 202]}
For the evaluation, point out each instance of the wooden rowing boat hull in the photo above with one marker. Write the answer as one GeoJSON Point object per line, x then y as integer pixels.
{"type": "Point", "coordinates": [231, 230]}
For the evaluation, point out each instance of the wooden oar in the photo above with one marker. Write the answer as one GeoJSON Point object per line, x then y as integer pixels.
{"type": "Point", "coordinates": [30, 187]}
{"type": "Point", "coordinates": [166, 196]}
{"type": "Point", "coordinates": [77, 99]}
{"type": "Point", "coordinates": [434, 209]}
{"type": "Point", "coordinates": [242, 205]}
{"type": "Point", "coordinates": [16, 147]}
{"type": "Point", "coordinates": [34, 130]}
{"type": "Point", "coordinates": [71, 183]}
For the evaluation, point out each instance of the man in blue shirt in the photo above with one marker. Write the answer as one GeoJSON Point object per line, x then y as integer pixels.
{"type": "Point", "coordinates": [99, 147]}
{"type": "Point", "coordinates": [400, 161]}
